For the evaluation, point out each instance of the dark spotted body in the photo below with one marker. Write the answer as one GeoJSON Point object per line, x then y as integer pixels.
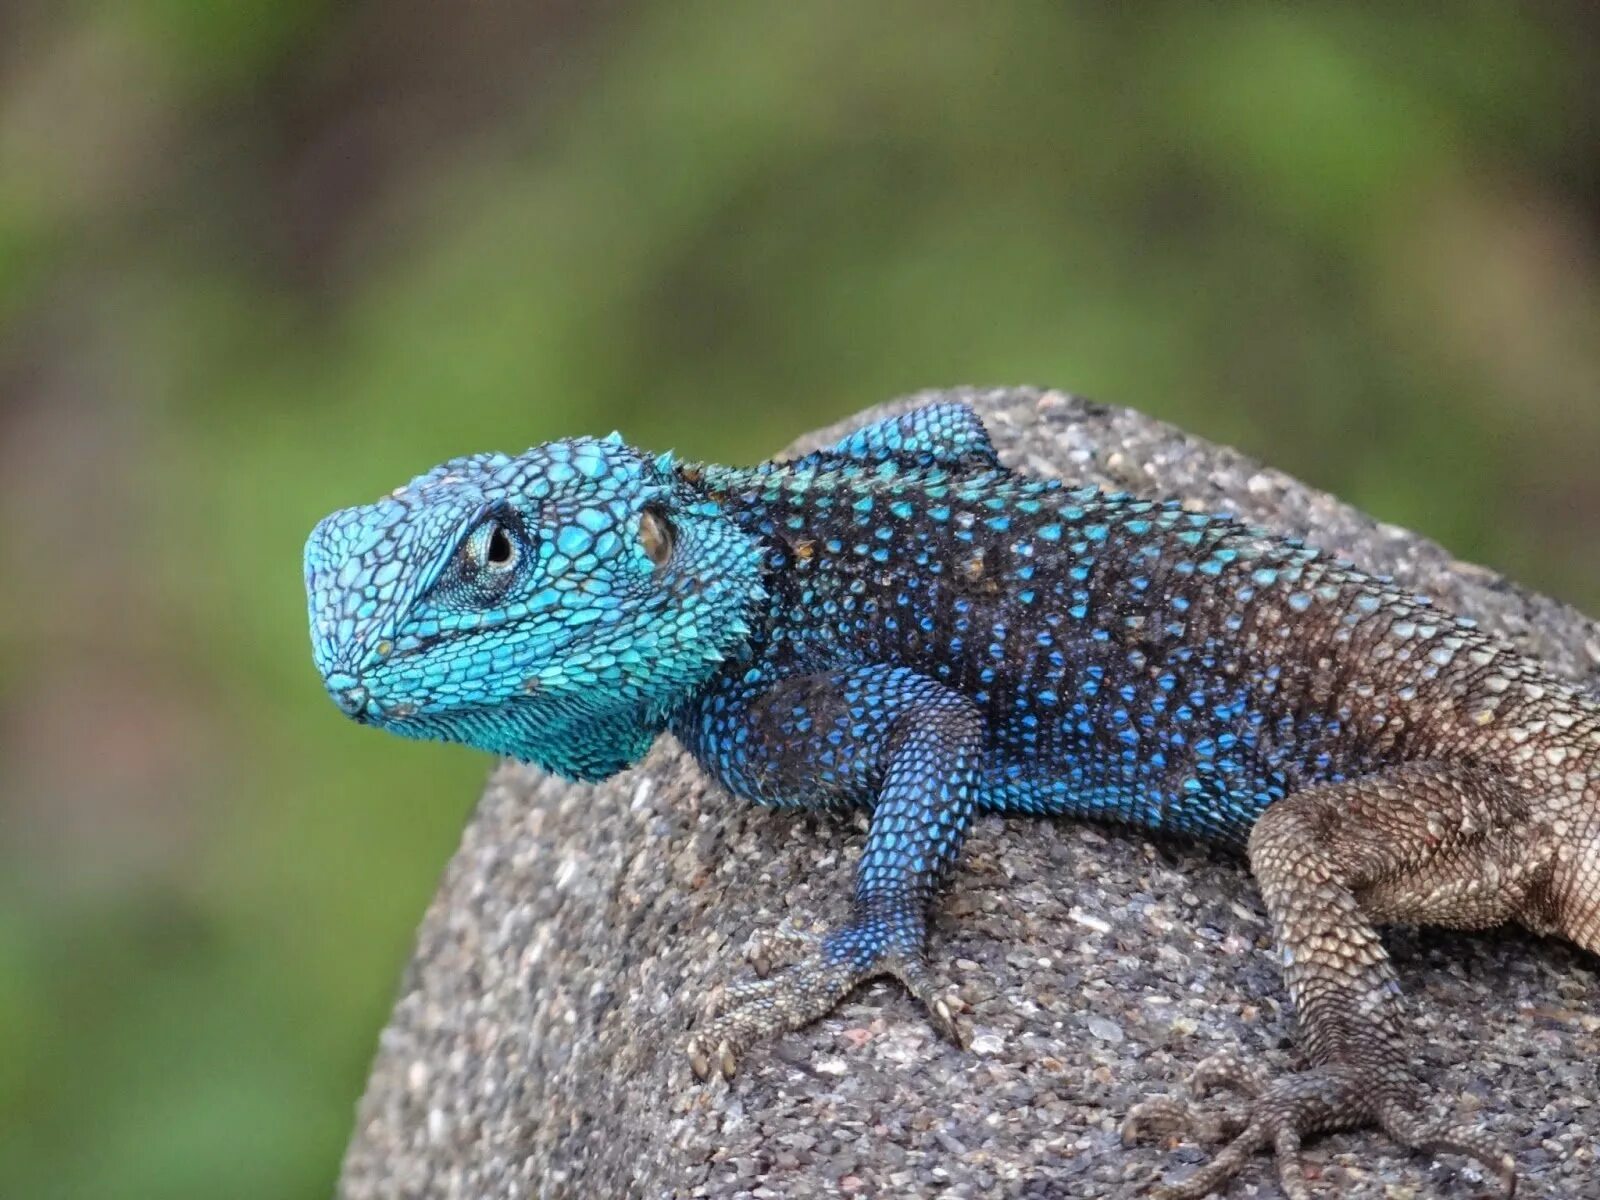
{"type": "Point", "coordinates": [1132, 660]}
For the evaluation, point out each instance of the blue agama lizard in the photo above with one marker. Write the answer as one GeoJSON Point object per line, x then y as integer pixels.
{"type": "Point", "coordinates": [901, 623]}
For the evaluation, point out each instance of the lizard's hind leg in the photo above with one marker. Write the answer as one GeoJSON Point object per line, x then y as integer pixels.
{"type": "Point", "coordinates": [1424, 843]}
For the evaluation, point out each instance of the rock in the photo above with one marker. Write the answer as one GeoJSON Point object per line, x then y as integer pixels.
{"type": "Point", "coordinates": [536, 1049]}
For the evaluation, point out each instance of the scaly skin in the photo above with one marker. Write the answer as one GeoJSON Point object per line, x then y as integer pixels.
{"type": "Point", "coordinates": [900, 623]}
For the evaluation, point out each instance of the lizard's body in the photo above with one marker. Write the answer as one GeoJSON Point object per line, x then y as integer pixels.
{"type": "Point", "coordinates": [902, 623]}
{"type": "Point", "coordinates": [1168, 669]}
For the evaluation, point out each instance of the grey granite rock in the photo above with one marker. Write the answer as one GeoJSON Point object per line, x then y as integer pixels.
{"type": "Point", "coordinates": [536, 1048]}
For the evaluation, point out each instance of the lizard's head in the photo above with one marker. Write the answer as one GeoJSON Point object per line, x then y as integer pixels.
{"type": "Point", "coordinates": [555, 607]}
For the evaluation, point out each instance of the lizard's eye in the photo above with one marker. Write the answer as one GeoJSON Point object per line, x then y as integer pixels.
{"type": "Point", "coordinates": [493, 550]}
{"type": "Point", "coordinates": [655, 536]}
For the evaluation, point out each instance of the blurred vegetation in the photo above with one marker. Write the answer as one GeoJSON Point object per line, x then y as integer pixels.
{"type": "Point", "coordinates": [262, 259]}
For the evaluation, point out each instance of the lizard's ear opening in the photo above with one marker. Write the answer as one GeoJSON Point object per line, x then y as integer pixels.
{"type": "Point", "coordinates": [656, 536]}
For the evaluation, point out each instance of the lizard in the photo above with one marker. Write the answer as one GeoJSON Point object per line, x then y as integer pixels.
{"type": "Point", "coordinates": [903, 624]}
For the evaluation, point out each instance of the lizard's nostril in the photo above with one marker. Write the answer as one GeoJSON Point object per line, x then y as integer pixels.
{"type": "Point", "coordinates": [348, 693]}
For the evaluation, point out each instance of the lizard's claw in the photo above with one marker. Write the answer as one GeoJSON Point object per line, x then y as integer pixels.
{"type": "Point", "coordinates": [1280, 1111]}
{"type": "Point", "coordinates": [796, 995]}
{"type": "Point", "coordinates": [770, 948]}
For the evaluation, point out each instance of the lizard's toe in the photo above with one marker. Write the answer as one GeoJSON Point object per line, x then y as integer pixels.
{"type": "Point", "coordinates": [1401, 1122]}
{"type": "Point", "coordinates": [760, 1008]}
{"type": "Point", "coordinates": [1166, 1115]}
{"type": "Point", "coordinates": [1209, 1123]}
{"type": "Point", "coordinates": [1228, 1070]}
{"type": "Point", "coordinates": [793, 996]}
{"type": "Point", "coordinates": [771, 950]}
{"type": "Point", "coordinates": [939, 1002]}
{"type": "Point", "coordinates": [1281, 1111]}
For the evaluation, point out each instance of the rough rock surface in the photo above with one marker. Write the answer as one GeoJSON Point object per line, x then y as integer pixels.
{"type": "Point", "coordinates": [536, 1049]}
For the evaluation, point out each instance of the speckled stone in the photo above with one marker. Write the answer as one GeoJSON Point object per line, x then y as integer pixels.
{"type": "Point", "coordinates": [536, 1048]}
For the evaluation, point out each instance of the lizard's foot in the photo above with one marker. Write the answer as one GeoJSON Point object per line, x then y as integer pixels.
{"type": "Point", "coordinates": [799, 994]}
{"type": "Point", "coordinates": [1280, 1111]}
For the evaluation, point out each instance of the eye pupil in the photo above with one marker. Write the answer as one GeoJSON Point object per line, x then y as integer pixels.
{"type": "Point", "coordinates": [499, 553]}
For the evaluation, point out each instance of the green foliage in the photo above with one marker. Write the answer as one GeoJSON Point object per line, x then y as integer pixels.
{"type": "Point", "coordinates": [258, 261]}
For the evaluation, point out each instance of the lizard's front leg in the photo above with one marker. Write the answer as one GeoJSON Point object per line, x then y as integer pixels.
{"type": "Point", "coordinates": [910, 748]}
{"type": "Point", "coordinates": [1425, 843]}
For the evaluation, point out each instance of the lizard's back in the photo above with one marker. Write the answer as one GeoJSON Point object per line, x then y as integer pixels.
{"type": "Point", "coordinates": [1133, 660]}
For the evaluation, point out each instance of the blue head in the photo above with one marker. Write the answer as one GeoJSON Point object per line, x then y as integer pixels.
{"type": "Point", "coordinates": [555, 607]}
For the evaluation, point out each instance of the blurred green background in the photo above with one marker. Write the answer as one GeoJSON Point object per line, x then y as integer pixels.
{"type": "Point", "coordinates": [266, 258]}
